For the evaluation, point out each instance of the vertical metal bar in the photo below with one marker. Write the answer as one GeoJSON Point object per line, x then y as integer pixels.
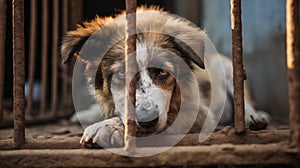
{"type": "Point", "coordinates": [55, 24]}
{"type": "Point", "coordinates": [44, 55]}
{"type": "Point", "coordinates": [18, 72]}
{"type": "Point", "coordinates": [2, 53]}
{"type": "Point", "coordinates": [32, 46]}
{"type": "Point", "coordinates": [238, 69]}
{"type": "Point", "coordinates": [64, 67]}
{"type": "Point", "coordinates": [130, 70]}
{"type": "Point", "coordinates": [293, 64]}
{"type": "Point", "coordinates": [74, 19]}
{"type": "Point", "coordinates": [65, 20]}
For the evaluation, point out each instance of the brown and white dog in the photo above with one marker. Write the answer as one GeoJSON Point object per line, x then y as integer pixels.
{"type": "Point", "coordinates": [172, 77]}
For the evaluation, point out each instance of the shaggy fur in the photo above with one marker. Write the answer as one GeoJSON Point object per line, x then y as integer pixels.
{"type": "Point", "coordinates": [171, 90]}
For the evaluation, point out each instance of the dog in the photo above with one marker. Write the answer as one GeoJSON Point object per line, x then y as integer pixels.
{"type": "Point", "coordinates": [172, 76]}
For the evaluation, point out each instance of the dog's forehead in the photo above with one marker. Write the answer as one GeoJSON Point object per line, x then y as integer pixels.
{"type": "Point", "coordinates": [151, 55]}
{"type": "Point", "coordinates": [153, 50]}
{"type": "Point", "coordinates": [143, 54]}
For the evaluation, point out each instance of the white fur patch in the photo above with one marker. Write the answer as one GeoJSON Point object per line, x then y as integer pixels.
{"type": "Point", "coordinates": [152, 95]}
{"type": "Point", "coordinates": [148, 93]}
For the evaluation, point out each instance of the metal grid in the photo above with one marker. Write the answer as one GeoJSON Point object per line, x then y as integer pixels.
{"type": "Point", "coordinates": [239, 75]}
{"type": "Point", "coordinates": [55, 84]}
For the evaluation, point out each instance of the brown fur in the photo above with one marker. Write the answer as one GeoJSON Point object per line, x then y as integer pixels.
{"type": "Point", "coordinates": [184, 42]}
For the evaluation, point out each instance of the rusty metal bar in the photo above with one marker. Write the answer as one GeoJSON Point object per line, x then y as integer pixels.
{"type": "Point", "coordinates": [64, 67]}
{"type": "Point", "coordinates": [44, 56]}
{"type": "Point", "coordinates": [189, 156]}
{"type": "Point", "coordinates": [293, 64]}
{"type": "Point", "coordinates": [55, 24]}
{"type": "Point", "coordinates": [18, 72]}
{"type": "Point", "coordinates": [65, 20]}
{"type": "Point", "coordinates": [2, 53]}
{"type": "Point", "coordinates": [74, 19]}
{"type": "Point", "coordinates": [32, 46]}
{"type": "Point", "coordinates": [191, 139]}
{"type": "Point", "coordinates": [130, 64]}
{"type": "Point", "coordinates": [238, 70]}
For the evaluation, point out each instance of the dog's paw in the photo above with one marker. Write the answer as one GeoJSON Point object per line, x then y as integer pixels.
{"type": "Point", "coordinates": [107, 133]}
{"type": "Point", "coordinates": [258, 120]}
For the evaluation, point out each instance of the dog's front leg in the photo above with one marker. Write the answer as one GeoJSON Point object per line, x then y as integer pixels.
{"type": "Point", "coordinates": [107, 133]}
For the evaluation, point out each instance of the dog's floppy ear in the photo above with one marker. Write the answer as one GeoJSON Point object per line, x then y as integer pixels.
{"type": "Point", "coordinates": [189, 54]}
{"type": "Point", "coordinates": [71, 45]}
{"type": "Point", "coordinates": [74, 40]}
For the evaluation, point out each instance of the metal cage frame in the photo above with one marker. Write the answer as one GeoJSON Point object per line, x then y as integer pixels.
{"type": "Point", "coordinates": [222, 154]}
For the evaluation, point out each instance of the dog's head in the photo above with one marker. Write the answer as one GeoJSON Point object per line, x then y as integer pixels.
{"type": "Point", "coordinates": [164, 51]}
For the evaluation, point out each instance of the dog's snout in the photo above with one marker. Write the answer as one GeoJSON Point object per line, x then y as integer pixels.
{"type": "Point", "coordinates": [147, 118]}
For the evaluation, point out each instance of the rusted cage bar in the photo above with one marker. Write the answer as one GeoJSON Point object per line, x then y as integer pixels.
{"type": "Point", "coordinates": [18, 72]}
{"type": "Point", "coordinates": [76, 17]}
{"type": "Point", "coordinates": [238, 70]}
{"type": "Point", "coordinates": [2, 53]}
{"type": "Point", "coordinates": [130, 64]}
{"type": "Point", "coordinates": [55, 29]}
{"type": "Point", "coordinates": [55, 90]}
{"type": "Point", "coordinates": [32, 47]}
{"type": "Point", "coordinates": [273, 153]}
{"type": "Point", "coordinates": [64, 81]}
{"type": "Point", "coordinates": [73, 19]}
{"type": "Point", "coordinates": [44, 56]}
{"type": "Point", "coordinates": [293, 64]}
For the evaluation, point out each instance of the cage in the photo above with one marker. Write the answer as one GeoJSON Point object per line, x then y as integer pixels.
{"type": "Point", "coordinates": [41, 93]}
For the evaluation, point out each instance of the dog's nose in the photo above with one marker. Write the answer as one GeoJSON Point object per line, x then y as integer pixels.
{"type": "Point", "coordinates": [147, 118]}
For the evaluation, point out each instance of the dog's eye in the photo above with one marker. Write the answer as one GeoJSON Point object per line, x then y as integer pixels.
{"type": "Point", "coordinates": [121, 74]}
{"type": "Point", "coordinates": [163, 74]}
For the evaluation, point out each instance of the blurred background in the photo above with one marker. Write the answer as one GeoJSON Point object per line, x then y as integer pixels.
{"type": "Point", "coordinates": [263, 44]}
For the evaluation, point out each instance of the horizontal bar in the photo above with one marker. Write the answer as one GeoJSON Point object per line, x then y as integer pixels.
{"type": "Point", "coordinates": [225, 154]}
{"type": "Point", "coordinates": [251, 137]}
{"type": "Point", "coordinates": [40, 119]}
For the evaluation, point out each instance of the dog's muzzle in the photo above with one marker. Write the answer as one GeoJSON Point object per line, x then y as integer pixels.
{"type": "Point", "coordinates": [147, 114]}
